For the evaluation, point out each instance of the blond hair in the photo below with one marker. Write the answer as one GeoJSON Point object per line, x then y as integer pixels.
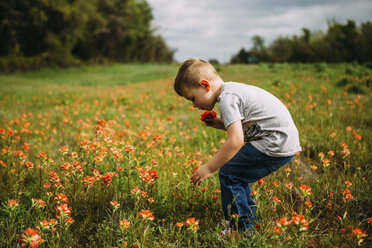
{"type": "Point", "coordinates": [191, 72]}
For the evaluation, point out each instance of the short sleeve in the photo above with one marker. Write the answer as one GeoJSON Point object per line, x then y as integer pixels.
{"type": "Point", "coordinates": [230, 109]}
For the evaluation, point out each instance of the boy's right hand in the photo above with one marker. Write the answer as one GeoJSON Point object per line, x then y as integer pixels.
{"type": "Point", "coordinates": [215, 122]}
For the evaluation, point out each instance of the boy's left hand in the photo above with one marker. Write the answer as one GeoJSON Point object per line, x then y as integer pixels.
{"type": "Point", "coordinates": [202, 173]}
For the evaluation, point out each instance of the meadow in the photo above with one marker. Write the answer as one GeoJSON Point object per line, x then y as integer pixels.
{"type": "Point", "coordinates": [102, 156]}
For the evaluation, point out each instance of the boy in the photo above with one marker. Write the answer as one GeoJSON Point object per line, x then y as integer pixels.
{"type": "Point", "coordinates": [248, 114]}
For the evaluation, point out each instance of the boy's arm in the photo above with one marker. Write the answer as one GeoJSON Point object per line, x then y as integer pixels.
{"type": "Point", "coordinates": [231, 146]}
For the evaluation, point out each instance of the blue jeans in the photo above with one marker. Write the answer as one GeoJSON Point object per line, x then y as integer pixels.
{"type": "Point", "coordinates": [247, 166]}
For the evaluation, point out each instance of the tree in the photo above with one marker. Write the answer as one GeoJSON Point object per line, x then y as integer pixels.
{"type": "Point", "coordinates": [258, 49]}
{"type": "Point", "coordinates": [64, 32]}
{"type": "Point", "coordinates": [281, 49]}
{"type": "Point", "coordinates": [241, 57]}
{"type": "Point", "coordinates": [343, 41]}
{"type": "Point", "coordinates": [365, 41]}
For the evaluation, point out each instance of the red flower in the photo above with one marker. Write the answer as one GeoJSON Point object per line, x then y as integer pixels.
{"type": "Point", "coordinates": [208, 115]}
{"type": "Point", "coordinates": [261, 181]}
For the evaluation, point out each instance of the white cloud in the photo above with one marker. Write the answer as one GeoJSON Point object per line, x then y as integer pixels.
{"type": "Point", "coordinates": [218, 29]}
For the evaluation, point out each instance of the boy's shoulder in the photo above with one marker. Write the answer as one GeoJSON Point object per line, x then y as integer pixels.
{"type": "Point", "coordinates": [235, 86]}
{"type": "Point", "coordinates": [238, 89]}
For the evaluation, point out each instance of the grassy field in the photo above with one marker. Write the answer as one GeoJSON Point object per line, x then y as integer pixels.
{"type": "Point", "coordinates": [101, 157]}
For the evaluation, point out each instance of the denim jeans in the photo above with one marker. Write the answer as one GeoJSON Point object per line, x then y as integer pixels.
{"type": "Point", "coordinates": [247, 166]}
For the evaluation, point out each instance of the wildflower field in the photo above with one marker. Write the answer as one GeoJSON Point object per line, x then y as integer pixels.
{"type": "Point", "coordinates": [102, 156]}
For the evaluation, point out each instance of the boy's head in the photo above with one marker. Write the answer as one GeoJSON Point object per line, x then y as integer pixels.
{"type": "Point", "coordinates": [198, 82]}
{"type": "Point", "coordinates": [192, 72]}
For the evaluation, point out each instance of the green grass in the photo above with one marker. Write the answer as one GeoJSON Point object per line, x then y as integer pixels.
{"type": "Point", "coordinates": [42, 111]}
{"type": "Point", "coordinates": [117, 74]}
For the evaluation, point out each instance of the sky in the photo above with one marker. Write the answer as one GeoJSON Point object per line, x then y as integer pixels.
{"type": "Point", "coordinates": [220, 28]}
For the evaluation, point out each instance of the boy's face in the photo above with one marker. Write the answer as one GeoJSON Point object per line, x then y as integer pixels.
{"type": "Point", "coordinates": [201, 97]}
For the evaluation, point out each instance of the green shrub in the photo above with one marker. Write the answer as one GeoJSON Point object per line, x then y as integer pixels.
{"type": "Point", "coordinates": [320, 67]}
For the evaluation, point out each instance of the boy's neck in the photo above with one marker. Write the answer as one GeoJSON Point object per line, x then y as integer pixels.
{"type": "Point", "coordinates": [217, 88]}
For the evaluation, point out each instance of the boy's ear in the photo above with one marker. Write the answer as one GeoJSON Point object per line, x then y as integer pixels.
{"type": "Point", "coordinates": [205, 84]}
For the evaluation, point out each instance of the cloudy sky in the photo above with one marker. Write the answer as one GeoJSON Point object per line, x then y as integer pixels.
{"type": "Point", "coordinates": [219, 28]}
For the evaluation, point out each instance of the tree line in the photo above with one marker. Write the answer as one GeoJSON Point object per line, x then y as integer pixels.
{"type": "Point", "coordinates": [341, 43]}
{"type": "Point", "coordinates": [38, 33]}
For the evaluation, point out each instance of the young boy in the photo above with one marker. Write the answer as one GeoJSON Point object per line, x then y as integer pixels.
{"type": "Point", "coordinates": [248, 114]}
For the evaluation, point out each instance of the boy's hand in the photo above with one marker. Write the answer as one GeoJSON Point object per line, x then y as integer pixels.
{"type": "Point", "coordinates": [211, 119]}
{"type": "Point", "coordinates": [215, 122]}
{"type": "Point", "coordinates": [199, 175]}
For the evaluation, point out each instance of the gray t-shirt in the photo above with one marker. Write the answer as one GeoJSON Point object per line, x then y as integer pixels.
{"type": "Point", "coordinates": [267, 123]}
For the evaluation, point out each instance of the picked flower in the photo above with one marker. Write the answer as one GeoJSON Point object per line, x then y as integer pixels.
{"type": "Point", "coordinates": [208, 115]}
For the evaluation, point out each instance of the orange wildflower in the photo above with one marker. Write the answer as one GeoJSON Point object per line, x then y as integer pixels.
{"type": "Point", "coordinates": [345, 152]}
{"type": "Point", "coordinates": [3, 163]}
{"type": "Point", "coordinates": [38, 203]}
{"type": "Point", "coordinates": [115, 204]}
{"type": "Point", "coordinates": [192, 223]}
{"type": "Point", "coordinates": [124, 224]}
{"type": "Point", "coordinates": [348, 183]}
{"type": "Point", "coordinates": [358, 232]}
{"type": "Point", "coordinates": [283, 222]}
{"type": "Point", "coordinates": [254, 193]}
{"type": "Point", "coordinates": [289, 185]}
{"type": "Point", "coordinates": [305, 189]}
{"type": "Point", "coordinates": [42, 155]}
{"type": "Point", "coordinates": [276, 199]}
{"type": "Point", "coordinates": [64, 150]}
{"type": "Point", "coordinates": [31, 237]}
{"type": "Point", "coordinates": [146, 214]}
{"type": "Point", "coordinates": [349, 196]}
{"type": "Point", "coordinates": [13, 203]}
{"type": "Point", "coordinates": [261, 181]}
{"type": "Point", "coordinates": [60, 197]}
{"type": "Point", "coordinates": [29, 165]}
{"type": "Point", "coordinates": [63, 210]}
{"type": "Point", "coordinates": [69, 220]}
